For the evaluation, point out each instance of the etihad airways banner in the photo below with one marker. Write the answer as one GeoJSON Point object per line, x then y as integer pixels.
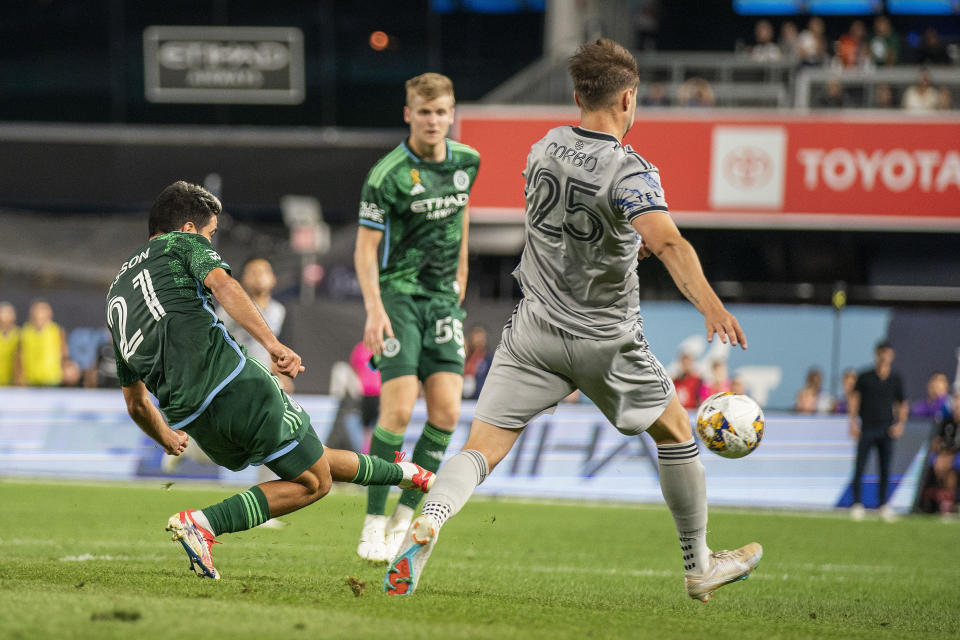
{"type": "Point", "coordinates": [752, 169]}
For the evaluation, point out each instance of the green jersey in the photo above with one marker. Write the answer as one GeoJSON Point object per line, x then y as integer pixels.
{"type": "Point", "coordinates": [164, 329]}
{"type": "Point", "coordinates": [418, 205]}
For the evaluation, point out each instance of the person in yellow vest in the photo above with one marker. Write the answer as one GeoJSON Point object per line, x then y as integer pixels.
{"type": "Point", "coordinates": [43, 348]}
{"type": "Point", "coordinates": [9, 343]}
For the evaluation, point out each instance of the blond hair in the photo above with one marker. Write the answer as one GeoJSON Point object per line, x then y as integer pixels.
{"type": "Point", "coordinates": [600, 71]}
{"type": "Point", "coordinates": [429, 86]}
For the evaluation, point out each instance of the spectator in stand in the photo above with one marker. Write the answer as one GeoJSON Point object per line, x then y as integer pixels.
{"type": "Point", "coordinates": [921, 97]}
{"type": "Point", "coordinates": [656, 96]}
{"type": "Point", "coordinates": [884, 45]}
{"type": "Point", "coordinates": [687, 383]}
{"type": "Point", "coordinates": [478, 362]}
{"type": "Point", "coordinates": [833, 96]}
{"type": "Point", "coordinates": [369, 379]}
{"type": "Point", "coordinates": [812, 43]}
{"type": "Point", "coordinates": [812, 398]}
{"type": "Point", "coordinates": [931, 49]}
{"type": "Point", "coordinates": [850, 48]}
{"type": "Point", "coordinates": [878, 414]}
{"type": "Point", "coordinates": [936, 403]}
{"type": "Point", "coordinates": [944, 99]}
{"type": "Point", "coordinates": [765, 49]}
{"type": "Point", "coordinates": [696, 92]}
{"type": "Point", "coordinates": [738, 385]}
{"type": "Point", "coordinates": [790, 41]}
{"type": "Point", "coordinates": [842, 404]}
{"type": "Point", "coordinates": [9, 344]}
{"type": "Point", "coordinates": [883, 97]}
{"type": "Point", "coordinates": [945, 456]}
{"type": "Point", "coordinates": [718, 380]}
{"type": "Point", "coordinates": [259, 280]}
{"type": "Point", "coordinates": [44, 358]}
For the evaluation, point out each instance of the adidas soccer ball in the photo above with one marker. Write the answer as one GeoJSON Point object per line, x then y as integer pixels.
{"type": "Point", "coordinates": [730, 424]}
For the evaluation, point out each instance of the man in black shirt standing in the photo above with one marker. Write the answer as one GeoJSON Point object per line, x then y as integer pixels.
{"type": "Point", "coordinates": [878, 412]}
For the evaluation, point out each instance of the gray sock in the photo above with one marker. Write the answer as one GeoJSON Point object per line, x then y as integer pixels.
{"type": "Point", "coordinates": [454, 485]}
{"type": "Point", "coordinates": [684, 488]}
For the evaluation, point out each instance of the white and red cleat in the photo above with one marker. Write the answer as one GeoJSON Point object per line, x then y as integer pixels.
{"type": "Point", "coordinates": [414, 476]}
{"type": "Point", "coordinates": [197, 542]}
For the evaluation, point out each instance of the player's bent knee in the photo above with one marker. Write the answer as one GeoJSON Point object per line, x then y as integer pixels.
{"type": "Point", "coordinates": [395, 419]}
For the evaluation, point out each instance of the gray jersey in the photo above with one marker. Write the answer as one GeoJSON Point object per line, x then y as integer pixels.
{"type": "Point", "coordinates": [578, 270]}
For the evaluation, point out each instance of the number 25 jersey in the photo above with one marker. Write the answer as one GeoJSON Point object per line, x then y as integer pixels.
{"type": "Point", "coordinates": [578, 269]}
{"type": "Point", "coordinates": [164, 328]}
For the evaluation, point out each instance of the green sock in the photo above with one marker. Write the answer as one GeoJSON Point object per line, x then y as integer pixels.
{"type": "Point", "coordinates": [428, 453]}
{"type": "Point", "coordinates": [374, 471]}
{"type": "Point", "coordinates": [238, 512]}
{"type": "Point", "coordinates": [382, 445]}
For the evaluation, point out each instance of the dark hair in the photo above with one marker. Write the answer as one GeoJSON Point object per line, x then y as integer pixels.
{"type": "Point", "coordinates": [600, 70]}
{"type": "Point", "coordinates": [179, 204]}
{"type": "Point", "coordinates": [883, 344]}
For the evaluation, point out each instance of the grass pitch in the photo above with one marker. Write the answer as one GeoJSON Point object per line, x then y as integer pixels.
{"type": "Point", "coordinates": [93, 561]}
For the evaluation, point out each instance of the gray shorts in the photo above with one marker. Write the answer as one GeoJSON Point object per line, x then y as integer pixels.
{"type": "Point", "coordinates": [537, 365]}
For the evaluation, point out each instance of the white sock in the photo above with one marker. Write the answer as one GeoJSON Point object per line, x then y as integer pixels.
{"type": "Point", "coordinates": [454, 485]}
{"type": "Point", "coordinates": [201, 520]}
{"type": "Point", "coordinates": [402, 513]}
{"type": "Point", "coordinates": [684, 488]}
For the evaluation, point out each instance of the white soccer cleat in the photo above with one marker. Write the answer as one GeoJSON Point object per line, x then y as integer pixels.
{"type": "Point", "coordinates": [397, 526]}
{"type": "Point", "coordinates": [372, 545]}
{"type": "Point", "coordinates": [857, 512]}
{"type": "Point", "coordinates": [196, 541]}
{"type": "Point", "coordinates": [404, 572]}
{"type": "Point", "coordinates": [414, 476]}
{"type": "Point", "coordinates": [725, 567]}
{"type": "Point", "coordinates": [887, 514]}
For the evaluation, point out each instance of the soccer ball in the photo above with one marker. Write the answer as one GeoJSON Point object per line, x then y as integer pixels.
{"type": "Point", "coordinates": [730, 424]}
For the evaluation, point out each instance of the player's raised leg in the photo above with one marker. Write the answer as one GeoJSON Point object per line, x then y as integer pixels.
{"type": "Point", "coordinates": [456, 481]}
{"type": "Point", "coordinates": [397, 396]}
{"type": "Point", "coordinates": [683, 483]}
{"type": "Point", "coordinates": [442, 390]}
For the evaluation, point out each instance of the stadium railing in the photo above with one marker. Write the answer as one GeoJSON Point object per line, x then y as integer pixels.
{"type": "Point", "coordinates": [810, 82]}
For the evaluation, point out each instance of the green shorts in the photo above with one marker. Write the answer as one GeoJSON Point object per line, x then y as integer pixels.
{"type": "Point", "coordinates": [252, 421]}
{"type": "Point", "coordinates": [430, 333]}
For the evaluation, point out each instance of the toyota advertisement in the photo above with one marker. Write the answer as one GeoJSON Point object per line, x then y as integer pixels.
{"type": "Point", "coordinates": [877, 172]}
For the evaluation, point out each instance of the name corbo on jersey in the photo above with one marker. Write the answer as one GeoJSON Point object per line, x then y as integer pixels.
{"type": "Point", "coordinates": [578, 269]}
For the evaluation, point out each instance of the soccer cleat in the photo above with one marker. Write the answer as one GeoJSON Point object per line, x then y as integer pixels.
{"type": "Point", "coordinates": [857, 512]}
{"type": "Point", "coordinates": [725, 567]}
{"type": "Point", "coordinates": [887, 514]}
{"type": "Point", "coordinates": [414, 476]}
{"type": "Point", "coordinates": [403, 574]}
{"type": "Point", "coordinates": [197, 542]}
{"type": "Point", "coordinates": [397, 526]}
{"type": "Point", "coordinates": [372, 546]}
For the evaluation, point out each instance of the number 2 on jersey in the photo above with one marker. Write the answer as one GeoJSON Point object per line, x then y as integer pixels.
{"type": "Point", "coordinates": [118, 306]}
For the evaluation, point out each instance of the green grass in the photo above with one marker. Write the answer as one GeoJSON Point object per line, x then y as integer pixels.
{"type": "Point", "coordinates": [93, 561]}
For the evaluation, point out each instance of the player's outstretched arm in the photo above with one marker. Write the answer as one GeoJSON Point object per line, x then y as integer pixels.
{"type": "Point", "coordinates": [150, 420]}
{"type": "Point", "coordinates": [241, 308]}
{"type": "Point", "coordinates": [368, 275]}
{"type": "Point", "coordinates": [663, 239]}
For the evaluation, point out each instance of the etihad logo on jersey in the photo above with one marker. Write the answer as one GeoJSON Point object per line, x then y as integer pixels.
{"type": "Point", "coordinates": [418, 187]}
{"type": "Point", "coordinates": [370, 211]}
{"type": "Point", "coordinates": [439, 208]}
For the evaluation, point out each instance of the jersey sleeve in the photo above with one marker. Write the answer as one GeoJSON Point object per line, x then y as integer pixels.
{"type": "Point", "coordinates": [125, 374]}
{"type": "Point", "coordinates": [198, 255]}
{"type": "Point", "coordinates": [375, 205]}
{"type": "Point", "coordinates": [637, 193]}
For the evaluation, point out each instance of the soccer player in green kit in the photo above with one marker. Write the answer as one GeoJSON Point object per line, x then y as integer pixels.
{"type": "Point", "coordinates": [411, 262]}
{"type": "Point", "coordinates": [169, 342]}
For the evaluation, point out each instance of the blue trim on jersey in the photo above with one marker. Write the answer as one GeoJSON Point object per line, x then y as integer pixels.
{"type": "Point", "coordinates": [386, 245]}
{"type": "Point", "coordinates": [372, 225]}
{"type": "Point", "coordinates": [416, 158]}
{"type": "Point", "coordinates": [449, 150]}
{"type": "Point", "coordinates": [279, 452]}
{"type": "Point", "coordinates": [225, 381]}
